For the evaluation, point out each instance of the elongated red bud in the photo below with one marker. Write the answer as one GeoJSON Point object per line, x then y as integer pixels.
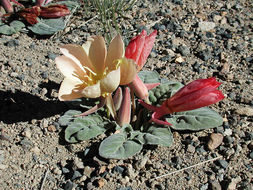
{"type": "Point", "coordinates": [197, 94]}
{"type": "Point", "coordinates": [140, 47]}
{"type": "Point", "coordinates": [117, 98]}
{"type": "Point", "coordinates": [30, 14]}
{"type": "Point", "coordinates": [139, 88]}
{"type": "Point", "coordinates": [124, 115]}
{"type": "Point", "coordinates": [54, 11]}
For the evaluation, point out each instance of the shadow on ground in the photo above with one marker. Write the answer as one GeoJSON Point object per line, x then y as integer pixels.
{"type": "Point", "coordinates": [22, 106]}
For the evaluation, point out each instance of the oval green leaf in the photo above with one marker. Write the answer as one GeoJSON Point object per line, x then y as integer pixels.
{"type": "Point", "coordinates": [149, 76]}
{"type": "Point", "coordinates": [85, 128]}
{"type": "Point", "coordinates": [158, 136]}
{"type": "Point", "coordinates": [118, 146]}
{"type": "Point", "coordinates": [68, 117]}
{"type": "Point", "coordinates": [195, 120]}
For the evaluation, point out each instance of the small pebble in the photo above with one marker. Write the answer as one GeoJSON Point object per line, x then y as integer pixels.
{"type": "Point", "coordinates": [190, 148]}
{"type": "Point", "coordinates": [57, 171]}
{"type": "Point", "coordinates": [215, 185]}
{"type": "Point", "coordinates": [69, 185]}
{"type": "Point", "coordinates": [51, 128]}
{"type": "Point", "coordinates": [76, 175]}
{"type": "Point", "coordinates": [87, 171]}
{"type": "Point", "coordinates": [251, 155]}
{"type": "Point", "coordinates": [248, 111]}
{"type": "Point", "coordinates": [215, 141]}
{"type": "Point", "coordinates": [118, 169]}
{"type": "Point", "coordinates": [204, 187]}
{"type": "Point", "coordinates": [3, 167]}
{"type": "Point", "coordinates": [228, 132]}
{"type": "Point", "coordinates": [52, 56]}
{"type": "Point", "coordinates": [27, 133]}
{"type": "Point", "coordinates": [12, 43]}
{"type": "Point", "coordinates": [223, 163]}
{"type": "Point", "coordinates": [141, 163]}
{"type": "Point", "coordinates": [206, 26]}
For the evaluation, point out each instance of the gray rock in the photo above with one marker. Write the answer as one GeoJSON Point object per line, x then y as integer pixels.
{"type": "Point", "coordinates": [251, 155]}
{"type": "Point", "coordinates": [204, 187]}
{"type": "Point", "coordinates": [228, 132]}
{"type": "Point", "coordinates": [206, 26]}
{"type": "Point", "coordinates": [76, 175]}
{"type": "Point", "coordinates": [52, 56]}
{"type": "Point", "coordinates": [69, 185]}
{"type": "Point", "coordinates": [184, 50]}
{"type": "Point", "coordinates": [215, 185]}
{"type": "Point", "coordinates": [141, 163]}
{"type": "Point", "coordinates": [223, 163]}
{"type": "Point", "coordinates": [130, 171]}
{"type": "Point", "coordinates": [27, 144]}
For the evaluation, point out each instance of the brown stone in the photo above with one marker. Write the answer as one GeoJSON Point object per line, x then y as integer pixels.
{"type": "Point", "coordinates": [214, 141]}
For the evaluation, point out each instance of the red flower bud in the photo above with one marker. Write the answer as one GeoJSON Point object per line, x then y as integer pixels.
{"type": "Point", "coordinates": [139, 88]}
{"type": "Point", "coordinates": [54, 11]}
{"type": "Point", "coordinates": [30, 14]}
{"type": "Point", "coordinates": [197, 94]}
{"type": "Point", "coordinates": [124, 115]}
{"type": "Point", "coordinates": [140, 47]}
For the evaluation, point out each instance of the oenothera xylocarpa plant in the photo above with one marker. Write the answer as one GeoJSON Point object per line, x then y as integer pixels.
{"type": "Point", "coordinates": [141, 108]}
{"type": "Point", "coordinates": [43, 18]}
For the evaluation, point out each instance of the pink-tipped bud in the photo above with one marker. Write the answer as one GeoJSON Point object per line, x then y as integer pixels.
{"type": "Point", "coordinates": [7, 6]}
{"type": "Point", "coordinates": [139, 88]}
{"type": "Point", "coordinates": [140, 47]}
{"type": "Point", "coordinates": [117, 98]}
{"type": "Point", "coordinates": [124, 115]}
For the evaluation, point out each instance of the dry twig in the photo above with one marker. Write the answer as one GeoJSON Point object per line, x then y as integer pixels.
{"type": "Point", "coordinates": [189, 167]}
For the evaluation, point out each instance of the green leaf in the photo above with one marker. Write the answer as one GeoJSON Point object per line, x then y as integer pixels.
{"type": "Point", "coordinates": [70, 4]}
{"type": "Point", "coordinates": [7, 30]}
{"type": "Point", "coordinates": [119, 146]}
{"type": "Point", "coordinates": [164, 91]}
{"type": "Point", "coordinates": [158, 136]}
{"type": "Point", "coordinates": [195, 120]}
{"type": "Point", "coordinates": [68, 117]}
{"type": "Point", "coordinates": [149, 76]}
{"type": "Point", "coordinates": [48, 26]}
{"type": "Point", "coordinates": [17, 25]}
{"type": "Point", "coordinates": [85, 128]}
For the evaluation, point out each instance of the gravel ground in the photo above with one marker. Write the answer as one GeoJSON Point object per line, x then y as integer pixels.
{"type": "Point", "coordinates": [196, 39]}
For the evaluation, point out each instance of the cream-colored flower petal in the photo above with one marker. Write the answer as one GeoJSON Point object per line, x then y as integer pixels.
{"type": "Point", "coordinates": [93, 91]}
{"type": "Point", "coordinates": [97, 53]}
{"type": "Point", "coordinates": [115, 51]}
{"type": "Point", "coordinates": [68, 90]}
{"type": "Point", "coordinates": [77, 54]}
{"type": "Point", "coordinates": [69, 68]}
{"type": "Point", "coordinates": [128, 71]}
{"type": "Point", "coordinates": [87, 44]}
{"type": "Point", "coordinates": [110, 82]}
